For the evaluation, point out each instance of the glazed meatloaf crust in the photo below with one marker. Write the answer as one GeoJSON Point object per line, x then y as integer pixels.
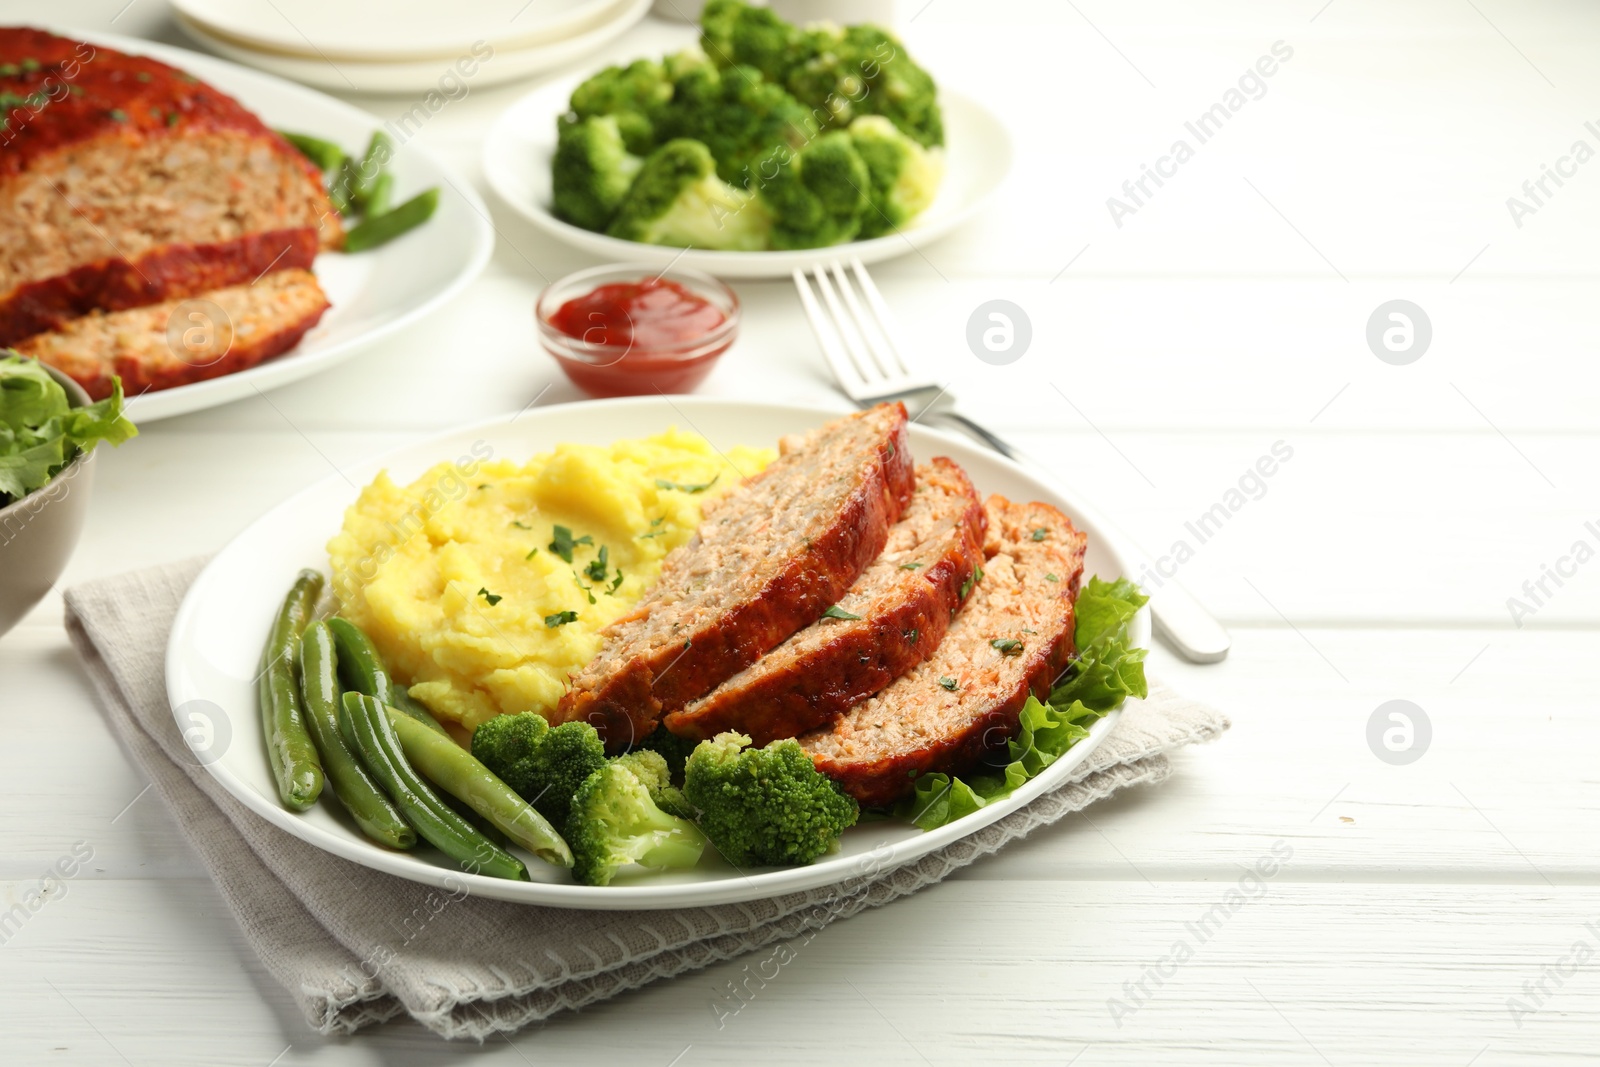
{"type": "Point", "coordinates": [767, 560]}
{"type": "Point", "coordinates": [180, 341]}
{"type": "Point", "coordinates": [109, 159]}
{"type": "Point", "coordinates": [168, 273]}
{"type": "Point", "coordinates": [903, 605]}
{"type": "Point", "coordinates": [946, 712]}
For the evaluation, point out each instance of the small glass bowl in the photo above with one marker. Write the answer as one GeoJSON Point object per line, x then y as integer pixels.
{"type": "Point", "coordinates": [631, 370]}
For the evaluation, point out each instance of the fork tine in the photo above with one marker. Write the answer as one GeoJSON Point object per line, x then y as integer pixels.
{"type": "Point", "coordinates": [884, 321]}
{"type": "Point", "coordinates": [822, 325]}
{"type": "Point", "coordinates": [871, 336]}
{"type": "Point", "coordinates": [854, 341]}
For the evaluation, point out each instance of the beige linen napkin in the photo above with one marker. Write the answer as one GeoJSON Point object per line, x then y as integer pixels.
{"type": "Point", "coordinates": [354, 946]}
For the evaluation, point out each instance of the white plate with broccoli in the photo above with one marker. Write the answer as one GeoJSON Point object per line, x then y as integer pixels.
{"type": "Point", "coordinates": [222, 627]}
{"type": "Point", "coordinates": [767, 151]}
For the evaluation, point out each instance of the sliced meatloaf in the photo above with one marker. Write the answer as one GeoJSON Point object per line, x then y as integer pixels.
{"type": "Point", "coordinates": [107, 160]}
{"type": "Point", "coordinates": [1012, 637]}
{"type": "Point", "coordinates": [769, 559]}
{"type": "Point", "coordinates": [180, 341]}
{"type": "Point", "coordinates": [171, 272]}
{"type": "Point", "coordinates": [902, 603]}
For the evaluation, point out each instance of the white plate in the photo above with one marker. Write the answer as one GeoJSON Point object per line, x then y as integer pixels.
{"type": "Point", "coordinates": [422, 75]}
{"type": "Point", "coordinates": [222, 625]}
{"type": "Point", "coordinates": [522, 142]}
{"type": "Point", "coordinates": [396, 30]}
{"type": "Point", "coordinates": [374, 293]}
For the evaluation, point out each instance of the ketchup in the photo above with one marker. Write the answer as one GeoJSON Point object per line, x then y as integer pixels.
{"type": "Point", "coordinates": [655, 313]}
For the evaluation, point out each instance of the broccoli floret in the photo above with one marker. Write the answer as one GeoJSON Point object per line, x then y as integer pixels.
{"type": "Point", "coordinates": [865, 70]}
{"type": "Point", "coordinates": [732, 32]}
{"type": "Point", "coordinates": [593, 171]}
{"type": "Point", "coordinates": [651, 769]}
{"type": "Point", "coordinates": [765, 806]}
{"type": "Point", "coordinates": [744, 119]}
{"type": "Point", "coordinates": [678, 200]}
{"type": "Point", "coordinates": [905, 176]}
{"type": "Point", "coordinates": [820, 196]}
{"type": "Point", "coordinates": [674, 748]}
{"type": "Point", "coordinates": [612, 822]}
{"type": "Point", "coordinates": [544, 764]}
{"type": "Point", "coordinates": [632, 95]}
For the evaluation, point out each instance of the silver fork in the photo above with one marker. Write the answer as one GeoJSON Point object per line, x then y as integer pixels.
{"type": "Point", "coordinates": [860, 338]}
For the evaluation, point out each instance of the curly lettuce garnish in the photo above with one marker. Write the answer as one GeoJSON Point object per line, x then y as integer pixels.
{"type": "Point", "coordinates": [1105, 673]}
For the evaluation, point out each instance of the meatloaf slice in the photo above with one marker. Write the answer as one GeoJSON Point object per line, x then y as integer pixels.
{"type": "Point", "coordinates": [903, 605]}
{"type": "Point", "coordinates": [1013, 637]}
{"type": "Point", "coordinates": [106, 158]}
{"type": "Point", "coordinates": [170, 272]}
{"type": "Point", "coordinates": [767, 560]}
{"type": "Point", "coordinates": [180, 341]}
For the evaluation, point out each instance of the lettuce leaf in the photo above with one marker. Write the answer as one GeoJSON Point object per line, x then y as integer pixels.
{"type": "Point", "coordinates": [1106, 672]}
{"type": "Point", "coordinates": [41, 432]}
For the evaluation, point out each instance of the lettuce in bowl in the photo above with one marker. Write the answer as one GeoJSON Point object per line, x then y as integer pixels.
{"type": "Point", "coordinates": [41, 432]}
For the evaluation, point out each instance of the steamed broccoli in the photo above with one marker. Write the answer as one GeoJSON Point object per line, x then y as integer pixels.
{"type": "Point", "coordinates": [905, 176]}
{"type": "Point", "coordinates": [819, 196]}
{"type": "Point", "coordinates": [632, 95]}
{"type": "Point", "coordinates": [613, 822]}
{"type": "Point", "coordinates": [678, 200]}
{"type": "Point", "coordinates": [865, 70]}
{"type": "Point", "coordinates": [593, 171]}
{"type": "Point", "coordinates": [674, 748]}
{"type": "Point", "coordinates": [545, 764]}
{"type": "Point", "coordinates": [765, 806]}
{"type": "Point", "coordinates": [733, 32]}
{"type": "Point", "coordinates": [745, 120]}
{"type": "Point", "coordinates": [651, 769]}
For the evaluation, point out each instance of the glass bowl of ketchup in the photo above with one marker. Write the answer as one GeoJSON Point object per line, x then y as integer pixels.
{"type": "Point", "coordinates": [631, 329]}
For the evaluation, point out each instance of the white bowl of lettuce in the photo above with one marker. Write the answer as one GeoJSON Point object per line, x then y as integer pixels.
{"type": "Point", "coordinates": [48, 431]}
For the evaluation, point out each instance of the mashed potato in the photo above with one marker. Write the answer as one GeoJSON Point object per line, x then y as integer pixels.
{"type": "Point", "coordinates": [460, 581]}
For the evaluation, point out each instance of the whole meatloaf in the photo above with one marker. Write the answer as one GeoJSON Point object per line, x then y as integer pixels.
{"type": "Point", "coordinates": [125, 182]}
{"type": "Point", "coordinates": [769, 558]}
{"type": "Point", "coordinates": [179, 341]}
{"type": "Point", "coordinates": [902, 605]}
{"type": "Point", "coordinates": [1013, 637]}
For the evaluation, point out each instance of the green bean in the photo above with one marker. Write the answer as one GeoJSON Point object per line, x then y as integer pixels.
{"type": "Point", "coordinates": [362, 669]}
{"type": "Point", "coordinates": [290, 753]}
{"type": "Point", "coordinates": [379, 195]}
{"type": "Point", "coordinates": [377, 816]}
{"type": "Point", "coordinates": [342, 189]}
{"type": "Point", "coordinates": [376, 229]}
{"type": "Point", "coordinates": [380, 750]}
{"type": "Point", "coordinates": [325, 154]}
{"type": "Point", "coordinates": [373, 166]}
{"type": "Point", "coordinates": [453, 769]}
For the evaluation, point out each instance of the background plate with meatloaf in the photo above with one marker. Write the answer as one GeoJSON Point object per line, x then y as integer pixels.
{"type": "Point", "coordinates": [373, 294]}
{"type": "Point", "coordinates": [217, 638]}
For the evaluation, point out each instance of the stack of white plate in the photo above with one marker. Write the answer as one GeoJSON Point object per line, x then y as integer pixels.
{"type": "Point", "coordinates": [406, 46]}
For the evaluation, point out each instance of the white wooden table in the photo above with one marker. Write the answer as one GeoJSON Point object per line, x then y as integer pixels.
{"type": "Point", "coordinates": [1435, 912]}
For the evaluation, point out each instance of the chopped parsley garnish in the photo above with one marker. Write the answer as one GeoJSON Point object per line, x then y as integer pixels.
{"type": "Point", "coordinates": [172, 118]}
{"type": "Point", "coordinates": [836, 612]}
{"type": "Point", "coordinates": [1041, 533]}
{"type": "Point", "coordinates": [1051, 578]}
{"type": "Point", "coordinates": [520, 524]}
{"type": "Point", "coordinates": [909, 566]}
{"type": "Point", "coordinates": [1008, 646]}
{"type": "Point", "coordinates": [490, 597]}
{"type": "Point", "coordinates": [534, 551]}
{"type": "Point", "coordinates": [910, 635]}
{"type": "Point", "coordinates": [598, 566]}
{"type": "Point", "coordinates": [564, 542]}
{"type": "Point", "coordinates": [560, 618]}
{"type": "Point", "coordinates": [972, 579]}
{"type": "Point", "coordinates": [118, 115]}
{"type": "Point", "coordinates": [588, 592]}
{"type": "Point", "coordinates": [662, 483]}
{"type": "Point", "coordinates": [948, 682]}
{"type": "Point", "coordinates": [30, 65]}
{"type": "Point", "coordinates": [616, 583]}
